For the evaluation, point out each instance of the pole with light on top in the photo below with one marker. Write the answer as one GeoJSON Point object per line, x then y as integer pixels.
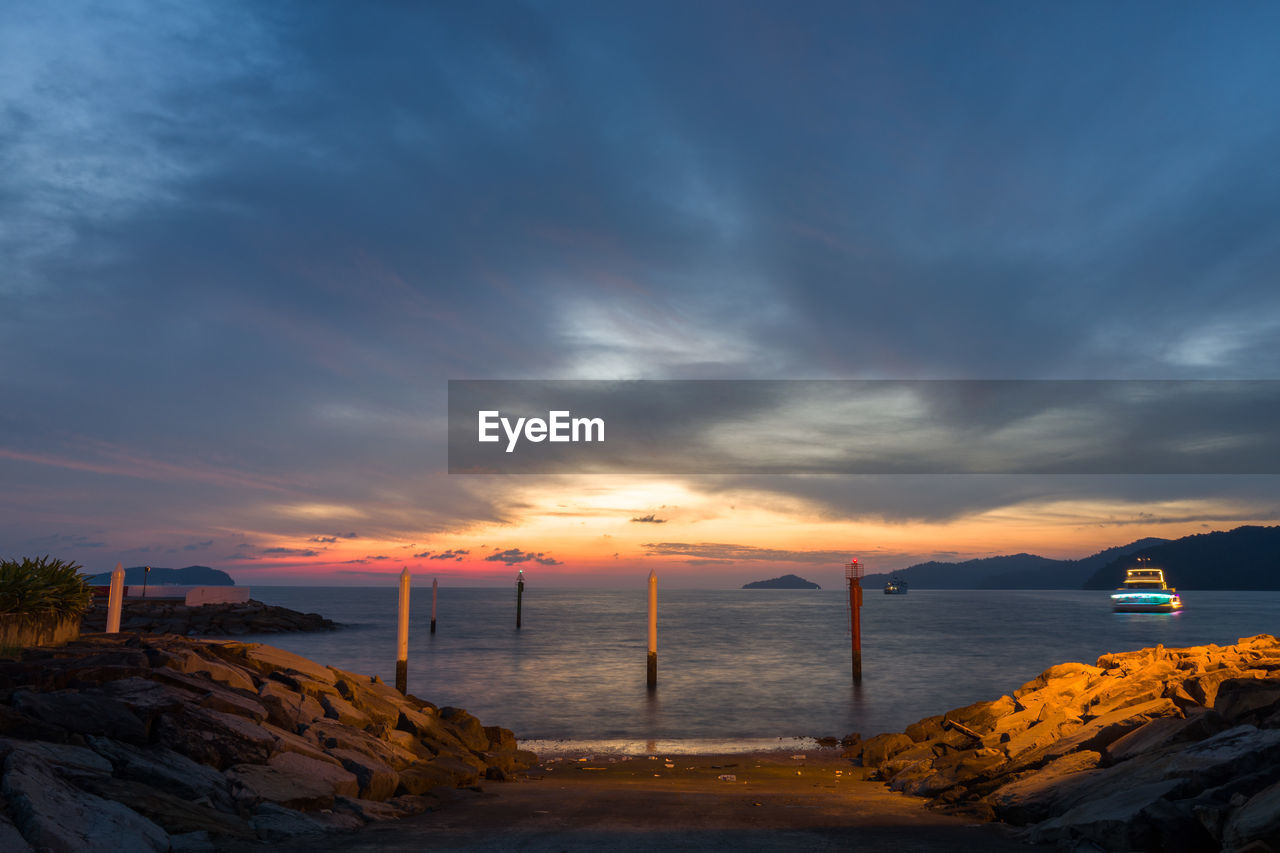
{"type": "Point", "coordinates": [853, 574]}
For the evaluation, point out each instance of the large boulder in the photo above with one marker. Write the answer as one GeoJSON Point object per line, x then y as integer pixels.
{"type": "Point", "coordinates": [268, 659]}
{"type": "Point", "coordinates": [55, 817]}
{"type": "Point", "coordinates": [879, 749]}
{"type": "Point", "coordinates": [74, 763]}
{"type": "Point", "coordinates": [83, 713]}
{"type": "Point", "coordinates": [1139, 818]}
{"type": "Point", "coordinates": [466, 728]}
{"type": "Point", "coordinates": [1247, 700]}
{"type": "Point", "coordinates": [192, 663]}
{"type": "Point", "coordinates": [337, 708]}
{"type": "Point", "coordinates": [166, 769]}
{"type": "Point", "coordinates": [1037, 795]}
{"type": "Point", "coordinates": [275, 823]}
{"type": "Point", "coordinates": [290, 742]}
{"type": "Point", "coordinates": [11, 841]}
{"type": "Point", "coordinates": [214, 738]}
{"type": "Point", "coordinates": [176, 815]}
{"type": "Point", "coordinates": [1198, 724]}
{"type": "Point", "coordinates": [1256, 820]}
{"type": "Point", "coordinates": [1097, 733]}
{"type": "Point", "coordinates": [294, 781]}
{"type": "Point", "coordinates": [286, 708]}
{"type": "Point", "coordinates": [378, 780]}
{"type": "Point", "coordinates": [332, 735]}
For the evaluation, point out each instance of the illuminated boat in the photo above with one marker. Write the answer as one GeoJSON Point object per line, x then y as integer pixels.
{"type": "Point", "coordinates": [895, 587]}
{"type": "Point", "coordinates": [1145, 591]}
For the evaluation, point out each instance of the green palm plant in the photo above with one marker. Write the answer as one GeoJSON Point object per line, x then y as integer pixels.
{"type": "Point", "coordinates": [42, 586]}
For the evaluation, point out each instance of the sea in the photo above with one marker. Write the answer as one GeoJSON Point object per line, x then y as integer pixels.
{"type": "Point", "coordinates": [737, 669]}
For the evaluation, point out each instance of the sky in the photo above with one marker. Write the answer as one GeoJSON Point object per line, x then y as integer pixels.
{"type": "Point", "coordinates": [244, 247]}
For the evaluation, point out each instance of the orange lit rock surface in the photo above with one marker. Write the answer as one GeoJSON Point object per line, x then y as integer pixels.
{"type": "Point", "coordinates": [1151, 749]}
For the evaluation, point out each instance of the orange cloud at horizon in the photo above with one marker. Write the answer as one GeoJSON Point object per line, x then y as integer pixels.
{"type": "Point", "coordinates": [609, 535]}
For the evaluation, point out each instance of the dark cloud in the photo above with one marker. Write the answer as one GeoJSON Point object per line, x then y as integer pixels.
{"type": "Point", "coordinates": [727, 553]}
{"type": "Point", "coordinates": [453, 554]}
{"type": "Point", "coordinates": [197, 546]}
{"type": "Point", "coordinates": [250, 214]}
{"type": "Point", "coordinates": [879, 427]}
{"type": "Point", "coordinates": [651, 518]}
{"type": "Point", "coordinates": [291, 552]}
{"type": "Point", "coordinates": [512, 556]}
{"type": "Point", "coordinates": [58, 540]}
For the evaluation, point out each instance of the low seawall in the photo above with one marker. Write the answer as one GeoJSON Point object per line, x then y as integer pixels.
{"type": "Point", "coordinates": [207, 620]}
{"type": "Point", "coordinates": [1157, 749]}
{"type": "Point", "coordinates": [21, 631]}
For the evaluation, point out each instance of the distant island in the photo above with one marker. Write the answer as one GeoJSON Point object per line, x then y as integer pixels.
{"type": "Point", "coordinates": [189, 576]}
{"type": "Point", "coordinates": [784, 582]}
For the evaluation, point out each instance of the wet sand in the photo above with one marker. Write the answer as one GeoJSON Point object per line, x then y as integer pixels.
{"type": "Point", "coordinates": [740, 802]}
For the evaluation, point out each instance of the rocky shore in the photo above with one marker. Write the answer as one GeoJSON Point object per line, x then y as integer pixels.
{"type": "Point", "coordinates": [1155, 750]}
{"type": "Point", "coordinates": [157, 743]}
{"type": "Point", "coordinates": [208, 620]}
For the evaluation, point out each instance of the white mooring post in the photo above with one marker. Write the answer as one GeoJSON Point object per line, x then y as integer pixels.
{"type": "Point", "coordinates": [115, 600]}
{"type": "Point", "coordinates": [402, 636]}
{"type": "Point", "coordinates": [653, 630]}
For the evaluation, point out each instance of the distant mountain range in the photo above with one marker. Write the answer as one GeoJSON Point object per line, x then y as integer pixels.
{"type": "Point", "coordinates": [189, 576]}
{"type": "Point", "coordinates": [1244, 558]}
{"type": "Point", "coordinates": [1013, 571]}
{"type": "Point", "coordinates": [784, 582]}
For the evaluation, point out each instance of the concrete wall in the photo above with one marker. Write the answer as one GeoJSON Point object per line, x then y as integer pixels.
{"type": "Point", "coordinates": [198, 595]}
{"type": "Point", "coordinates": [21, 632]}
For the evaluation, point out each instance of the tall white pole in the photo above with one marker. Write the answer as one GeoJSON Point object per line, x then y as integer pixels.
{"type": "Point", "coordinates": [653, 630]}
{"type": "Point", "coordinates": [435, 588]}
{"type": "Point", "coordinates": [402, 635]}
{"type": "Point", "coordinates": [115, 600]}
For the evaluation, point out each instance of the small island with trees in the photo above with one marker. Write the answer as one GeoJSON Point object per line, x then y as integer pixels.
{"type": "Point", "coordinates": [784, 582]}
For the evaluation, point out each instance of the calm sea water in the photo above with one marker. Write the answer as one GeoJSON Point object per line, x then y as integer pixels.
{"type": "Point", "coordinates": [736, 666]}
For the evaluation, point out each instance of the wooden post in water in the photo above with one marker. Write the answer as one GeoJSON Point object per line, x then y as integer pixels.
{"type": "Point", "coordinates": [115, 599]}
{"type": "Point", "coordinates": [519, 595]}
{"type": "Point", "coordinates": [435, 588]}
{"type": "Point", "coordinates": [853, 572]}
{"type": "Point", "coordinates": [653, 630]}
{"type": "Point", "coordinates": [402, 635]}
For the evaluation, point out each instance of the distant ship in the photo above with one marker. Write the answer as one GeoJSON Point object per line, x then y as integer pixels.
{"type": "Point", "coordinates": [895, 587]}
{"type": "Point", "coordinates": [1145, 591]}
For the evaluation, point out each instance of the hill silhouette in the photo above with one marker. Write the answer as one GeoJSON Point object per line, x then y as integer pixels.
{"type": "Point", "coordinates": [784, 582]}
{"type": "Point", "coordinates": [189, 576]}
{"type": "Point", "coordinates": [1010, 571]}
{"type": "Point", "coordinates": [1243, 558]}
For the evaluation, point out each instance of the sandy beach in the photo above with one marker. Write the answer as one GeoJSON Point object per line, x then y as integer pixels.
{"type": "Point", "coordinates": [762, 801]}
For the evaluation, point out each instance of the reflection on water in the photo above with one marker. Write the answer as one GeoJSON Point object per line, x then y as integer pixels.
{"type": "Point", "coordinates": [737, 664]}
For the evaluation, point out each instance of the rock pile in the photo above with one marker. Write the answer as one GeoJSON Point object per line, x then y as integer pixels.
{"type": "Point", "coordinates": [1158, 749]}
{"type": "Point", "coordinates": [209, 620]}
{"type": "Point", "coordinates": [127, 742]}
